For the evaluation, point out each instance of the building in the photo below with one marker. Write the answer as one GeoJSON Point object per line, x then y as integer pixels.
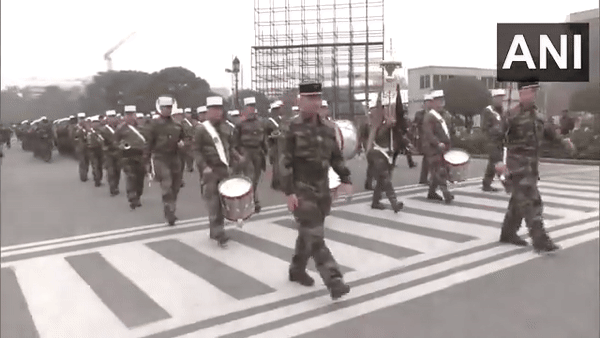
{"type": "Point", "coordinates": [423, 80]}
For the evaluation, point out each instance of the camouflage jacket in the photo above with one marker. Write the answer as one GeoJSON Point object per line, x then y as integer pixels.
{"type": "Point", "coordinates": [108, 134]}
{"type": "Point", "coordinates": [492, 124]}
{"type": "Point", "coordinates": [188, 129]}
{"type": "Point", "coordinates": [434, 134]}
{"type": "Point", "coordinates": [309, 151]}
{"type": "Point", "coordinates": [79, 136]}
{"type": "Point", "coordinates": [163, 136]}
{"type": "Point", "coordinates": [250, 134]}
{"type": "Point", "coordinates": [205, 150]}
{"type": "Point", "coordinates": [524, 130]}
{"type": "Point", "coordinates": [95, 139]}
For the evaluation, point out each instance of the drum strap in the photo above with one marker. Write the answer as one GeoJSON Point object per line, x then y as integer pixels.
{"type": "Point", "coordinates": [442, 121]}
{"type": "Point", "coordinates": [218, 144]}
{"type": "Point", "coordinates": [110, 129]}
{"type": "Point", "coordinates": [496, 115]}
{"type": "Point", "coordinates": [275, 123]}
{"type": "Point", "coordinates": [136, 132]}
{"type": "Point", "coordinates": [188, 122]}
{"type": "Point", "coordinates": [383, 151]}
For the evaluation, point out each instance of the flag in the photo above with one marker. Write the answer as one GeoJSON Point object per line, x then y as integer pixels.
{"type": "Point", "coordinates": [401, 123]}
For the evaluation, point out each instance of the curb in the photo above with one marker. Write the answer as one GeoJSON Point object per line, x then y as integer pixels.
{"type": "Point", "coordinates": [555, 160]}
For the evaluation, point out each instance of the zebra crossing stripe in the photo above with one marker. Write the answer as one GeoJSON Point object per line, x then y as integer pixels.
{"type": "Point", "coordinates": [549, 213]}
{"type": "Point", "coordinates": [587, 196]}
{"type": "Point", "coordinates": [588, 188]}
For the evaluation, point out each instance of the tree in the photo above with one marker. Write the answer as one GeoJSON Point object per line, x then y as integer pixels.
{"type": "Point", "coordinates": [465, 95]}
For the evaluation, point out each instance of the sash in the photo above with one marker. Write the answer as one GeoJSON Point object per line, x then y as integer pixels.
{"type": "Point", "coordinates": [110, 129]}
{"type": "Point", "coordinates": [188, 122]}
{"type": "Point", "coordinates": [229, 123]}
{"type": "Point", "coordinates": [383, 151]}
{"type": "Point", "coordinates": [217, 140]}
{"type": "Point", "coordinates": [442, 121]}
{"type": "Point", "coordinates": [496, 115]}
{"type": "Point", "coordinates": [275, 123]}
{"type": "Point", "coordinates": [137, 132]}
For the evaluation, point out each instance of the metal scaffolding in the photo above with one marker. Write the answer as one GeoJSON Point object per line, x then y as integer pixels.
{"type": "Point", "coordinates": [336, 42]}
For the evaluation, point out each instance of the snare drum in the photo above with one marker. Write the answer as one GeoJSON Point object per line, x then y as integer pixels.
{"type": "Point", "coordinates": [457, 161]}
{"type": "Point", "coordinates": [237, 198]}
{"type": "Point", "coordinates": [346, 136]}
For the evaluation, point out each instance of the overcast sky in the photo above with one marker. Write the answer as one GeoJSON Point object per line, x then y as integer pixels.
{"type": "Point", "coordinates": [66, 39]}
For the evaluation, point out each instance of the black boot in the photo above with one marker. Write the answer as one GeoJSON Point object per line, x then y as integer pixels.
{"type": "Point", "coordinates": [489, 188]}
{"type": "Point", "coordinates": [377, 206]}
{"type": "Point", "coordinates": [397, 206]}
{"type": "Point", "coordinates": [542, 243]}
{"type": "Point", "coordinates": [513, 239]}
{"type": "Point", "coordinates": [301, 277]}
{"type": "Point", "coordinates": [257, 208]}
{"type": "Point", "coordinates": [337, 288]}
{"type": "Point", "coordinates": [368, 185]}
{"type": "Point", "coordinates": [434, 196]}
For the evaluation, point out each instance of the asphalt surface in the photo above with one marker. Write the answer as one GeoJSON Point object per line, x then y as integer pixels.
{"type": "Point", "coordinates": [550, 297]}
{"type": "Point", "coordinates": [42, 201]}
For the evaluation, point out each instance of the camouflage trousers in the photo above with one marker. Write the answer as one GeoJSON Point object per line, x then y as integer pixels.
{"type": "Point", "coordinates": [84, 163]}
{"type": "Point", "coordinates": [188, 160]}
{"type": "Point", "coordinates": [252, 169]}
{"type": "Point", "coordinates": [381, 170]}
{"type": "Point", "coordinates": [439, 174]}
{"type": "Point", "coordinates": [525, 203]}
{"type": "Point", "coordinates": [112, 164]}
{"type": "Point", "coordinates": [310, 216]}
{"type": "Point", "coordinates": [96, 160]}
{"type": "Point", "coordinates": [494, 156]}
{"type": "Point", "coordinates": [210, 193]}
{"type": "Point", "coordinates": [168, 174]}
{"type": "Point", "coordinates": [274, 161]}
{"type": "Point", "coordinates": [135, 172]}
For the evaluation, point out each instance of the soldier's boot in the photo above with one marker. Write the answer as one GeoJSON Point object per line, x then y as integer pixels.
{"type": "Point", "coordinates": [301, 277]}
{"type": "Point", "coordinates": [411, 162]}
{"type": "Point", "coordinates": [542, 243]}
{"type": "Point", "coordinates": [257, 207]}
{"type": "Point", "coordinates": [182, 184]}
{"type": "Point", "coordinates": [221, 238]}
{"type": "Point", "coordinates": [396, 205]}
{"type": "Point", "coordinates": [97, 183]}
{"type": "Point", "coordinates": [512, 238]}
{"type": "Point", "coordinates": [337, 288]}
{"type": "Point", "coordinates": [368, 184]}
{"type": "Point", "coordinates": [170, 215]}
{"type": "Point", "coordinates": [489, 188]}
{"type": "Point", "coordinates": [432, 195]}
{"type": "Point", "coordinates": [377, 205]}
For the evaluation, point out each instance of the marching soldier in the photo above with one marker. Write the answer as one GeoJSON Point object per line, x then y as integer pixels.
{"type": "Point", "coordinates": [214, 151]}
{"type": "Point", "coordinates": [95, 142]}
{"type": "Point", "coordinates": [419, 117]}
{"type": "Point", "coordinates": [492, 127]}
{"type": "Point", "coordinates": [436, 141]}
{"type": "Point", "coordinates": [80, 134]}
{"type": "Point", "coordinates": [524, 129]}
{"type": "Point", "coordinates": [379, 157]}
{"type": "Point", "coordinates": [309, 149]}
{"type": "Point", "coordinates": [112, 160]}
{"type": "Point", "coordinates": [132, 144]}
{"type": "Point", "coordinates": [201, 113]}
{"type": "Point", "coordinates": [188, 127]}
{"type": "Point", "coordinates": [178, 117]}
{"type": "Point", "coordinates": [164, 146]}
{"type": "Point", "coordinates": [272, 130]}
{"type": "Point", "coordinates": [250, 141]}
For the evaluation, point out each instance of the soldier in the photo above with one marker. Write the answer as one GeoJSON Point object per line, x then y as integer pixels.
{"type": "Point", "coordinates": [80, 133]}
{"type": "Point", "coordinates": [111, 152]}
{"type": "Point", "coordinates": [250, 141]}
{"type": "Point", "coordinates": [492, 126]}
{"type": "Point", "coordinates": [419, 117]}
{"type": "Point", "coordinates": [132, 144]}
{"type": "Point", "coordinates": [95, 142]}
{"type": "Point", "coordinates": [214, 151]}
{"type": "Point", "coordinates": [436, 141]}
{"type": "Point", "coordinates": [566, 122]}
{"type": "Point", "coordinates": [271, 131]}
{"type": "Point", "coordinates": [309, 149]}
{"type": "Point", "coordinates": [201, 113]}
{"type": "Point", "coordinates": [379, 157]}
{"type": "Point", "coordinates": [164, 145]}
{"type": "Point", "coordinates": [524, 128]}
{"type": "Point", "coordinates": [188, 127]}
{"type": "Point", "coordinates": [179, 118]}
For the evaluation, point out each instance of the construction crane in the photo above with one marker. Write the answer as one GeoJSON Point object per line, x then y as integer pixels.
{"type": "Point", "coordinates": [112, 50]}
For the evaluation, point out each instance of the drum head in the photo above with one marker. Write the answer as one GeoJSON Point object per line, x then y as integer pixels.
{"type": "Point", "coordinates": [235, 186]}
{"type": "Point", "coordinates": [456, 156]}
{"type": "Point", "coordinates": [347, 138]}
{"type": "Point", "coordinates": [334, 179]}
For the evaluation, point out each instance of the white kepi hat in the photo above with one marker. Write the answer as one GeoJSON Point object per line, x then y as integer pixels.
{"type": "Point", "coordinates": [249, 101]}
{"type": "Point", "coordinates": [130, 109]}
{"type": "Point", "coordinates": [437, 94]}
{"type": "Point", "coordinates": [81, 115]}
{"type": "Point", "coordinates": [497, 92]}
{"type": "Point", "coordinates": [201, 109]}
{"type": "Point", "coordinates": [139, 115]}
{"type": "Point", "coordinates": [213, 101]}
{"type": "Point", "coordinates": [111, 113]}
{"type": "Point", "coordinates": [177, 111]}
{"type": "Point", "coordinates": [187, 110]}
{"type": "Point", "coordinates": [427, 97]}
{"type": "Point", "coordinates": [324, 104]}
{"type": "Point", "coordinates": [295, 108]}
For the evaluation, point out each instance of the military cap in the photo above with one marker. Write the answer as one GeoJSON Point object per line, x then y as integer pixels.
{"type": "Point", "coordinates": [201, 109]}
{"type": "Point", "coordinates": [276, 104]}
{"type": "Point", "coordinates": [130, 109]}
{"type": "Point", "coordinates": [249, 101]}
{"type": "Point", "coordinates": [324, 104]}
{"type": "Point", "coordinates": [178, 111]}
{"type": "Point", "coordinates": [187, 110]}
{"type": "Point", "coordinates": [310, 88]}
{"type": "Point", "coordinates": [111, 113]}
{"type": "Point", "coordinates": [234, 112]}
{"type": "Point", "coordinates": [81, 115]}
{"type": "Point", "coordinates": [427, 97]}
{"type": "Point", "coordinates": [214, 101]}
{"type": "Point", "coordinates": [497, 92]}
{"type": "Point", "coordinates": [528, 84]}
{"type": "Point", "coordinates": [437, 94]}
{"type": "Point", "coordinates": [165, 101]}
{"type": "Point", "coordinates": [295, 108]}
{"type": "Point", "coordinates": [139, 115]}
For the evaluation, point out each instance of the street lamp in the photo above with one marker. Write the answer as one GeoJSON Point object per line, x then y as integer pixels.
{"type": "Point", "coordinates": [235, 69]}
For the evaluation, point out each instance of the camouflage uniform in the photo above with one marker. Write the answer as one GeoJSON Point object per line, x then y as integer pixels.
{"type": "Point", "coordinates": [249, 140]}
{"type": "Point", "coordinates": [206, 155]}
{"type": "Point", "coordinates": [132, 148]}
{"type": "Point", "coordinates": [524, 129]}
{"type": "Point", "coordinates": [308, 152]}
{"type": "Point", "coordinates": [433, 134]}
{"type": "Point", "coordinates": [272, 126]}
{"type": "Point", "coordinates": [187, 153]}
{"type": "Point", "coordinates": [95, 141]}
{"type": "Point", "coordinates": [112, 160]}
{"type": "Point", "coordinates": [80, 138]}
{"type": "Point", "coordinates": [380, 166]}
{"type": "Point", "coordinates": [164, 135]}
{"type": "Point", "coordinates": [419, 117]}
{"type": "Point", "coordinates": [492, 126]}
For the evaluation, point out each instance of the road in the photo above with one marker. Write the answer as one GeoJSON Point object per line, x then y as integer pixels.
{"type": "Point", "coordinates": [128, 275]}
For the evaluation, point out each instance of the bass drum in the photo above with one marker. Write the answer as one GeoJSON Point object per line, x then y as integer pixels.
{"type": "Point", "coordinates": [346, 136]}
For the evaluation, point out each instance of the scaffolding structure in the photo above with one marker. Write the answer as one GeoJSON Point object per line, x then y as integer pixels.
{"type": "Point", "coordinates": [336, 42]}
